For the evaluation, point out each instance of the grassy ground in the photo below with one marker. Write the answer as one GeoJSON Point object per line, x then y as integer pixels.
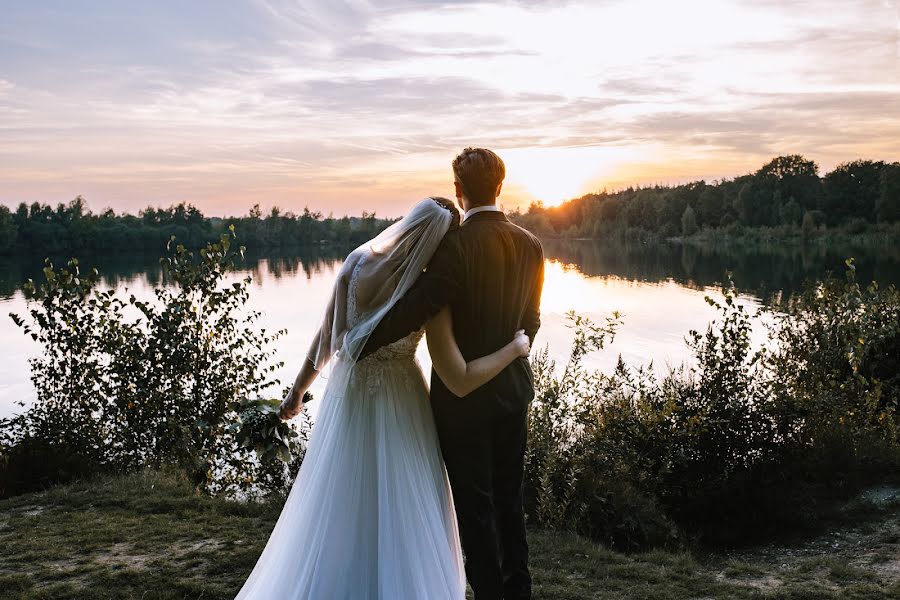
{"type": "Point", "coordinates": [147, 536]}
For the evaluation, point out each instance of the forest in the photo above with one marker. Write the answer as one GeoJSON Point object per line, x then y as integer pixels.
{"type": "Point", "coordinates": [786, 194]}
{"type": "Point", "coordinates": [73, 228]}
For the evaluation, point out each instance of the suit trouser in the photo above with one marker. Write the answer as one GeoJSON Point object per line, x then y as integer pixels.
{"type": "Point", "coordinates": [484, 449]}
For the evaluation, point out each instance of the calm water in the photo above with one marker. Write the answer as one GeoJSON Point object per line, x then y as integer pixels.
{"type": "Point", "coordinates": [658, 288]}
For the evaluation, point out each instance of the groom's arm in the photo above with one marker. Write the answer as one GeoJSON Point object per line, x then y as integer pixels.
{"type": "Point", "coordinates": [438, 286]}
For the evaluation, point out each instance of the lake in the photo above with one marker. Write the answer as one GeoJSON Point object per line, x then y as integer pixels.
{"type": "Point", "coordinates": [659, 289]}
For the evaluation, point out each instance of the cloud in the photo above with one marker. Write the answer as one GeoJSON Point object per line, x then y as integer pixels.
{"type": "Point", "coordinates": [284, 99]}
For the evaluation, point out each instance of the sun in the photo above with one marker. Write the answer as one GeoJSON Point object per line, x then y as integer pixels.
{"type": "Point", "coordinates": [554, 175]}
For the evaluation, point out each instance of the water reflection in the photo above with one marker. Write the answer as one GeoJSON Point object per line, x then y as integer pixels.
{"type": "Point", "coordinates": [659, 288]}
{"type": "Point", "coordinates": [758, 270]}
{"type": "Point", "coordinates": [122, 270]}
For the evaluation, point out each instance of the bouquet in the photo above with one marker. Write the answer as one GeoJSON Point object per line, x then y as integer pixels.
{"type": "Point", "coordinates": [261, 428]}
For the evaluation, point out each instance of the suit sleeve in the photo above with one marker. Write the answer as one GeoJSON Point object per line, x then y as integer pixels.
{"type": "Point", "coordinates": [438, 286]}
{"type": "Point", "coordinates": [532, 321]}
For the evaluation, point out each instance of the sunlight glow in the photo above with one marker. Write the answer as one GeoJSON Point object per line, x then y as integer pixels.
{"type": "Point", "coordinates": [554, 175]}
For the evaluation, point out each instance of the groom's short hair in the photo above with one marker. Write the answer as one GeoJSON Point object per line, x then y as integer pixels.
{"type": "Point", "coordinates": [479, 171]}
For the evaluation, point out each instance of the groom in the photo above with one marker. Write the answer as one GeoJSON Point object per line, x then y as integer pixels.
{"type": "Point", "coordinates": [490, 273]}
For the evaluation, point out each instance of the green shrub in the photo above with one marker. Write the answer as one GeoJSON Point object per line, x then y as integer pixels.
{"type": "Point", "coordinates": [127, 383]}
{"type": "Point", "coordinates": [578, 476]}
{"type": "Point", "coordinates": [733, 446]}
{"type": "Point", "coordinates": [834, 374]}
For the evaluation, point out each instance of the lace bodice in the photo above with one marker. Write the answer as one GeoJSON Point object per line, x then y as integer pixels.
{"type": "Point", "coordinates": [404, 348]}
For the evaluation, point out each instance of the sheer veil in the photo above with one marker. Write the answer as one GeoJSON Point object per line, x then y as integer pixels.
{"type": "Point", "coordinates": [388, 266]}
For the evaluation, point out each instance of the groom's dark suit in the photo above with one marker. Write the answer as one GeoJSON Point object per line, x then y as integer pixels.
{"type": "Point", "coordinates": [490, 272]}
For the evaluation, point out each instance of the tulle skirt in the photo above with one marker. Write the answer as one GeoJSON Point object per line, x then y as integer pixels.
{"type": "Point", "coordinates": [370, 515]}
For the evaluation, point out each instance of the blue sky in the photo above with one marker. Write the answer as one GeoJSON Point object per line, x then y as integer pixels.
{"type": "Point", "coordinates": [350, 106]}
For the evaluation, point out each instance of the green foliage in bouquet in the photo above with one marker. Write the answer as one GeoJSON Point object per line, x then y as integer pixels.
{"type": "Point", "coordinates": [261, 429]}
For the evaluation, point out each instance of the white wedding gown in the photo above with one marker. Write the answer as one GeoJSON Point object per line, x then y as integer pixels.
{"type": "Point", "coordinates": [370, 515]}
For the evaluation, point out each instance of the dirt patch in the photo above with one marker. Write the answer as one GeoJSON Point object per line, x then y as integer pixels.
{"type": "Point", "coordinates": [888, 570]}
{"type": "Point", "coordinates": [867, 550]}
{"type": "Point", "coordinates": [124, 555]}
{"type": "Point", "coordinates": [31, 510]}
{"type": "Point", "coordinates": [210, 545]}
{"type": "Point", "coordinates": [763, 583]}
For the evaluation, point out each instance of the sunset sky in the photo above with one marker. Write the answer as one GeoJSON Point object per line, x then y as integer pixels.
{"type": "Point", "coordinates": [356, 105]}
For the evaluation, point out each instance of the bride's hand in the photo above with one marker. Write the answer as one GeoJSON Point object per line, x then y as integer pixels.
{"type": "Point", "coordinates": [291, 406]}
{"type": "Point", "coordinates": [522, 343]}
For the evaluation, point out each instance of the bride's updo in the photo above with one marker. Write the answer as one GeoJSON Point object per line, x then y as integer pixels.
{"type": "Point", "coordinates": [451, 207]}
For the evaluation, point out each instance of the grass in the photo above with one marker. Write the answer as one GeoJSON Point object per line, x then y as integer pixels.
{"type": "Point", "coordinates": [149, 536]}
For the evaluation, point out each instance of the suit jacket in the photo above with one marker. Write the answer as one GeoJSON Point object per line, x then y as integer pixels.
{"type": "Point", "coordinates": [490, 272]}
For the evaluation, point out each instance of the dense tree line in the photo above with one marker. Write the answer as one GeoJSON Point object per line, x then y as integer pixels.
{"type": "Point", "coordinates": [787, 192]}
{"type": "Point", "coordinates": [73, 228]}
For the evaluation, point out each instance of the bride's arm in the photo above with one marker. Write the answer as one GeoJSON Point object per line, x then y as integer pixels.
{"type": "Point", "coordinates": [293, 402]}
{"type": "Point", "coordinates": [461, 377]}
{"type": "Point", "coordinates": [322, 347]}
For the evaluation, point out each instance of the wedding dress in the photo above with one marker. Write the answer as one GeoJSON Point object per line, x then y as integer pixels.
{"type": "Point", "coordinates": [370, 515]}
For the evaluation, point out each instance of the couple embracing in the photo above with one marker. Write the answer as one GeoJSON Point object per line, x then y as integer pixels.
{"type": "Point", "coordinates": [371, 514]}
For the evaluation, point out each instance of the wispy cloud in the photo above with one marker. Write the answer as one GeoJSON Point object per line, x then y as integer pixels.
{"type": "Point", "coordinates": [351, 105]}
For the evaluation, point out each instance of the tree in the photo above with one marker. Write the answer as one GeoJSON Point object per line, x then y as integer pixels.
{"type": "Point", "coordinates": [852, 190]}
{"type": "Point", "coordinates": [9, 231]}
{"type": "Point", "coordinates": [149, 215]}
{"type": "Point", "coordinates": [776, 207]}
{"type": "Point", "coordinates": [809, 225]}
{"type": "Point", "coordinates": [794, 176]}
{"type": "Point", "coordinates": [642, 210]}
{"type": "Point", "coordinates": [888, 208]}
{"type": "Point", "coordinates": [753, 203]}
{"type": "Point", "coordinates": [674, 201]}
{"type": "Point", "coordinates": [790, 213]}
{"type": "Point", "coordinates": [76, 209]}
{"type": "Point", "coordinates": [688, 221]}
{"type": "Point", "coordinates": [711, 206]}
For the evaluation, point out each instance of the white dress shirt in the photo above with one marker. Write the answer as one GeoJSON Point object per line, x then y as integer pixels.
{"type": "Point", "coordinates": [478, 209]}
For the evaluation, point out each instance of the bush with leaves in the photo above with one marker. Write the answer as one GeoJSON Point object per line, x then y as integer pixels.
{"type": "Point", "coordinates": [578, 476]}
{"type": "Point", "coordinates": [127, 383]}
{"type": "Point", "coordinates": [735, 443]}
{"type": "Point", "coordinates": [834, 375]}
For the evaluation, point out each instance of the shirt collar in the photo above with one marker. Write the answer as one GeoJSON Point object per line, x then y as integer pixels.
{"type": "Point", "coordinates": [478, 209]}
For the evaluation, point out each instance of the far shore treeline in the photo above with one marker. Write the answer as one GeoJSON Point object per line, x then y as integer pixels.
{"type": "Point", "coordinates": [40, 228]}
{"type": "Point", "coordinates": [786, 197]}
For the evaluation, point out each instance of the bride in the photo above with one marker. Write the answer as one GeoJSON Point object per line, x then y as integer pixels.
{"type": "Point", "coordinates": [370, 515]}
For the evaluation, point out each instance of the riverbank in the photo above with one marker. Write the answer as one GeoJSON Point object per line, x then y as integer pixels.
{"type": "Point", "coordinates": [150, 536]}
